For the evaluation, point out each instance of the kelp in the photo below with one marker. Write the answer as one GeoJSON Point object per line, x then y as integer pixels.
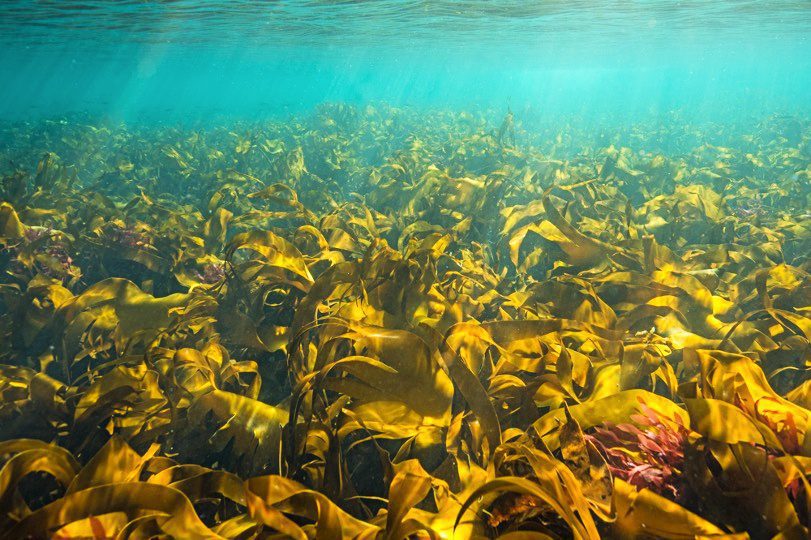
{"type": "Point", "coordinates": [379, 323]}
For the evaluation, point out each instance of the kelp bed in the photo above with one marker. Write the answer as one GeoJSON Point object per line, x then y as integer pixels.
{"type": "Point", "coordinates": [379, 323]}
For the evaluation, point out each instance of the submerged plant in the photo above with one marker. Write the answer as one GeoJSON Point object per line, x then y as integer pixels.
{"type": "Point", "coordinates": [42, 250]}
{"type": "Point", "coordinates": [748, 208]}
{"type": "Point", "coordinates": [211, 273]}
{"type": "Point", "coordinates": [120, 235]}
{"type": "Point", "coordinates": [647, 453]}
{"type": "Point", "coordinates": [379, 323]}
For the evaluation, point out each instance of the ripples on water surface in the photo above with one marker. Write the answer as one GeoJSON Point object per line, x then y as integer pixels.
{"type": "Point", "coordinates": [397, 23]}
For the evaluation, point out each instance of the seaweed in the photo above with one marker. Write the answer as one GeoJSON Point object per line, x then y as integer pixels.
{"type": "Point", "coordinates": [381, 323]}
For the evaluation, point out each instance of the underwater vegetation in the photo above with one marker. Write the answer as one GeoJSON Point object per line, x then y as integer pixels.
{"type": "Point", "coordinates": [381, 323]}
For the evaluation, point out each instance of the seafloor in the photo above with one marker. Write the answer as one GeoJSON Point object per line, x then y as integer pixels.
{"type": "Point", "coordinates": [391, 323]}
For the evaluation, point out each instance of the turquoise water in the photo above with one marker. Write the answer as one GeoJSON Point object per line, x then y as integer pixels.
{"type": "Point", "coordinates": [193, 60]}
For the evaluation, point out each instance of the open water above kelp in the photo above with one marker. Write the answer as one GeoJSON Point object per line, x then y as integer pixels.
{"type": "Point", "coordinates": [388, 271]}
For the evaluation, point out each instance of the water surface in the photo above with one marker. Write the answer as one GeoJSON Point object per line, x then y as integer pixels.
{"type": "Point", "coordinates": [191, 59]}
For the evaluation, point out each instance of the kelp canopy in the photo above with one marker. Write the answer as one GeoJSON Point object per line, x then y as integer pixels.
{"type": "Point", "coordinates": [380, 323]}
